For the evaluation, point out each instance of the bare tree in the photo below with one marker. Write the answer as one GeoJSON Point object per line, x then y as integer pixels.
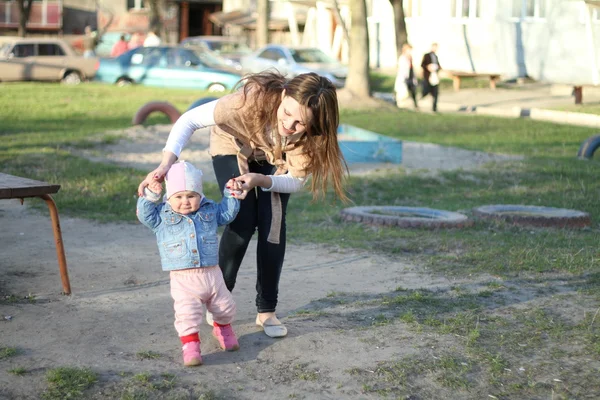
{"type": "Point", "coordinates": [111, 17]}
{"type": "Point", "coordinates": [155, 17]}
{"type": "Point", "coordinates": [24, 11]}
{"type": "Point", "coordinates": [399, 24]}
{"type": "Point", "coordinates": [358, 69]}
{"type": "Point", "coordinates": [262, 23]}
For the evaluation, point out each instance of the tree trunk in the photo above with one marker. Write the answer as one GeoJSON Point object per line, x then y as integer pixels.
{"type": "Point", "coordinates": [399, 25]}
{"type": "Point", "coordinates": [24, 11]}
{"type": "Point", "coordinates": [262, 23]}
{"type": "Point", "coordinates": [358, 69]}
{"type": "Point", "coordinates": [154, 19]}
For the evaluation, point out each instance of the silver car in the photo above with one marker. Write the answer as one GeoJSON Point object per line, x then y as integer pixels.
{"type": "Point", "coordinates": [292, 61]}
{"type": "Point", "coordinates": [43, 59]}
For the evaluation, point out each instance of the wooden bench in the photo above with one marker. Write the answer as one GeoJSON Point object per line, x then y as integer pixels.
{"type": "Point", "coordinates": [458, 75]}
{"type": "Point", "coordinates": [14, 187]}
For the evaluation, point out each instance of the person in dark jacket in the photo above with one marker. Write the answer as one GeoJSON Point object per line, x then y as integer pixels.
{"type": "Point", "coordinates": [431, 79]}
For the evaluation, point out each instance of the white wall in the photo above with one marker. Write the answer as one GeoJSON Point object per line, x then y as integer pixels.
{"type": "Point", "coordinates": [555, 49]}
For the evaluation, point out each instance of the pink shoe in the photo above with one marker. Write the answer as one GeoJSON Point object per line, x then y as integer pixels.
{"type": "Point", "coordinates": [224, 334]}
{"type": "Point", "coordinates": [191, 354]}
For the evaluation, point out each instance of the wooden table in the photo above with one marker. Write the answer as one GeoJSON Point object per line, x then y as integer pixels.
{"type": "Point", "coordinates": [14, 187]}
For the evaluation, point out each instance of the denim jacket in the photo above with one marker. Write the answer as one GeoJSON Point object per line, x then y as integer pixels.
{"type": "Point", "coordinates": [188, 241]}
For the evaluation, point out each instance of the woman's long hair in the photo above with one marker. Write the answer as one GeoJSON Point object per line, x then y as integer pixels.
{"type": "Point", "coordinates": [326, 163]}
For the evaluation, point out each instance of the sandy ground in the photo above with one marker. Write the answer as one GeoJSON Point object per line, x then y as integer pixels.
{"type": "Point", "coordinates": [120, 306]}
{"type": "Point", "coordinates": [140, 147]}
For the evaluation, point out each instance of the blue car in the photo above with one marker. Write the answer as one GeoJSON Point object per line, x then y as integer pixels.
{"type": "Point", "coordinates": [165, 66]}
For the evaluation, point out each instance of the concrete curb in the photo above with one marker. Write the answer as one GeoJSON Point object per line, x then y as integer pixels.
{"type": "Point", "coordinates": [539, 114]}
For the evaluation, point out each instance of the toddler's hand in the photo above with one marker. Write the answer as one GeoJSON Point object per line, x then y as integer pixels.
{"type": "Point", "coordinates": [235, 187]}
{"type": "Point", "coordinates": [155, 187]}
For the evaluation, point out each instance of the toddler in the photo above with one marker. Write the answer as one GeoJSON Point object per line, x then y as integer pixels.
{"type": "Point", "coordinates": [186, 232]}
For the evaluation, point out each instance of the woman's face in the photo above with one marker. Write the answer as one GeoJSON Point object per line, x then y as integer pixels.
{"type": "Point", "coordinates": [292, 118]}
{"type": "Point", "coordinates": [185, 202]}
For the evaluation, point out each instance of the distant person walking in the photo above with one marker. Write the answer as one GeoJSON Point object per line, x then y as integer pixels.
{"type": "Point", "coordinates": [90, 41]}
{"type": "Point", "coordinates": [406, 81]}
{"type": "Point", "coordinates": [136, 40]}
{"type": "Point", "coordinates": [431, 79]}
{"type": "Point", "coordinates": [120, 47]}
{"type": "Point", "coordinates": [152, 40]}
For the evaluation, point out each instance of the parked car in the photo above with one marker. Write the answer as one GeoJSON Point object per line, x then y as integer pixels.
{"type": "Point", "coordinates": [43, 59]}
{"type": "Point", "coordinates": [164, 66]}
{"type": "Point", "coordinates": [214, 60]}
{"type": "Point", "coordinates": [292, 61]}
{"type": "Point", "coordinates": [229, 48]}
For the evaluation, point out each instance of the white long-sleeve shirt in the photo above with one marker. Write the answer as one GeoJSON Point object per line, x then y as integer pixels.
{"type": "Point", "coordinates": [202, 117]}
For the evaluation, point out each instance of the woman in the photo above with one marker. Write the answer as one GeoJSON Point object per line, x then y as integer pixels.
{"type": "Point", "coordinates": [406, 81]}
{"type": "Point", "coordinates": [271, 135]}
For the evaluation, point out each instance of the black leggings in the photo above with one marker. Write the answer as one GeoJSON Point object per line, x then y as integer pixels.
{"type": "Point", "coordinates": [255, 213]}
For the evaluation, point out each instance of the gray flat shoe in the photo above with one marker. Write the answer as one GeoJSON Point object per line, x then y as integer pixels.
{"type": "Point", "coordinates": [272, 327]}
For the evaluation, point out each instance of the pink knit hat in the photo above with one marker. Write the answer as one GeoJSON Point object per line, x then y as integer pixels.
{"type": "Point", "coordinates": [183, 176]}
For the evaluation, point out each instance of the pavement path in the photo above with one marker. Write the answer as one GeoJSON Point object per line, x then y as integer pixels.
{"type": "Point", "coordinates": [535, 101]}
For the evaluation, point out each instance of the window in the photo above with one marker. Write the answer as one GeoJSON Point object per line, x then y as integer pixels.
{"type": "Point", "coordinates": [182, 58]}
{"type": "Point", "coordinates": [272, 54]}
{"type": "Point", "coordinates": [311, 56]}
{"type": "Point", "coordinates": [412, 8]}
{"type": "Point", "coordinates": [465, 8]}
{"type": "Point", "coordinates": [24, 50]}
{"type": "Point", "coordinates": [529, 9]}
{"type": "Point", "coordinates": [135, 4]}
{"type": "Point", "coordinates": [49, 49]}
{"type": "Point", "coordinates": [148, 56]}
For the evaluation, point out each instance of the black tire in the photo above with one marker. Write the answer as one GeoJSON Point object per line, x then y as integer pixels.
{"type": "Point", "coordinates": [156, 106]}
{"type": "Point", "coordinates": [201, 101]}
{"type": "Point", "coordinates": [122, 82]}
{"type": "Point", "coordinates": [588, 147]}
{"type": "Point", "coordinates": [216, 88]}
{"type": "Point", "coordinates": [71, 78]}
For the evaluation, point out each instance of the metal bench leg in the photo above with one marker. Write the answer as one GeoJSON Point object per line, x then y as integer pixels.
{"type": "Point", "coordinates": [60, 250]}
{"type": "Point", "coordinates": [578, 93]}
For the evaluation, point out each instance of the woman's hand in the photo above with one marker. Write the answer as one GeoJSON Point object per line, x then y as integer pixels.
{"type": "Point", "coordinates": [158, 175]}
{"type": "Point", "coordinates": [155, 187]}
{"type": "Point", "coordinates": [247, 182]}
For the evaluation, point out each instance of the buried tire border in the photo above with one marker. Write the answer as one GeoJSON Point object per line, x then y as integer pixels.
{"type": "Point", "coordinates": [436, 218]}
{"type": "Point", "coordinates": [547, 217]}
{"type": "Point", "coordinates": [156, 106]}
{"type": "Point", "coordinates": [588, 147]}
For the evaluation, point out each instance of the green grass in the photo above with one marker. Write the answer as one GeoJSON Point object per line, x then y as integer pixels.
{"type": "Point", "coordinates": [586, 108]}
{"type": "Point", "coordinates": [6, 352]}
{"type": "Point", "coordinates": [37, 137]}
{"type": "Point", "coordinates": [147, 355]}
{"type": "Point", "coordinates": [18, 371]}
{"type": "Point", "coordinates": [68, 383]}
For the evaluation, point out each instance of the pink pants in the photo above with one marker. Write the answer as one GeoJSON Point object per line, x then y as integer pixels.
{"type": "Point", "coordinates": [190, 288]}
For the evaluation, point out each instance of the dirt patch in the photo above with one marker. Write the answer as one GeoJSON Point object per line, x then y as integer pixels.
{"type": "Point", "coordinates": [141, 148]}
